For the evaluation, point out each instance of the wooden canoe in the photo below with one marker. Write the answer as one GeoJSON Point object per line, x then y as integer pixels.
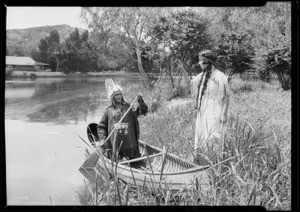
{"type": "Point", "coordinates": [158, 168]}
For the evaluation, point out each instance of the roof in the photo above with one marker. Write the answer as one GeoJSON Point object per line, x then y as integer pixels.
{"type": "Point", "coordinates": [12, 60]}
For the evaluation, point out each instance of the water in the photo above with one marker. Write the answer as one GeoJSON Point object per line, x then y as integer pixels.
{"type": "Point", "coordinates": [43, 119]}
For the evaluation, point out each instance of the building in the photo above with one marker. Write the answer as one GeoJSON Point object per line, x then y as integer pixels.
{"type": "Point", "coordinates": [23, 63]}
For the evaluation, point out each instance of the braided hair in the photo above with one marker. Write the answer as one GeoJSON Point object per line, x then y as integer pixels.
{"type": "Point", "coordinates": [211, 57]}
{"type": "Point", "coordinates": [207, 77]}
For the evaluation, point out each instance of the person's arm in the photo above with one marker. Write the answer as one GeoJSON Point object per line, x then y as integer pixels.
{"type": "Point", "coordinates": [224, 93]}
{"type": "Point", "coordinates": [141, 107]}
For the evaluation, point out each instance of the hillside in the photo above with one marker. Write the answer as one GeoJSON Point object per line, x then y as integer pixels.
{"type": "Point", "coordinates": [28, 39]}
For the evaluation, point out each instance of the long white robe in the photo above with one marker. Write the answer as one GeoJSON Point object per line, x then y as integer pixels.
{"type": "Point", "coordinates": [208, 124]}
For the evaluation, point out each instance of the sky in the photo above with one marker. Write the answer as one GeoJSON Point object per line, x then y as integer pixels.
{"type": "Point", "coordinates": [26, 17]}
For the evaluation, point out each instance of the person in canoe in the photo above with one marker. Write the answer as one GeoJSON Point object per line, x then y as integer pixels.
{"type": "Point", "coordinates": [211, 90]}
{"type": "Point", "coordinates": [125, 138]}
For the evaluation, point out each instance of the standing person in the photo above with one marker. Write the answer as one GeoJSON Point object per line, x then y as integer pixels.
{"type": "Point", "coordinates": [211, 90]}
{"type": "Point", "coordinates": [125, 138]}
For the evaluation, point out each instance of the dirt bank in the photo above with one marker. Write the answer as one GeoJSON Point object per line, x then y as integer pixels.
{"type": "Point", "coordinates": [178, 102]}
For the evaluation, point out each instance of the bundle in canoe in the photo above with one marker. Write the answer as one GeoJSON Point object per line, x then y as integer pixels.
{"type": "Point", "coordinates": [158, 167]}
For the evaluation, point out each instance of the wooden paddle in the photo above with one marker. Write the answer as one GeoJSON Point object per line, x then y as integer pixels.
{"type": "Point", "coordinates": [92, 160]}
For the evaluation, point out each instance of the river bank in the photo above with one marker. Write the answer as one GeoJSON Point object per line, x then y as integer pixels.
{"type": "Point", "coordinates": [257, 133]}
{"type": "Point", "coordinates": [46, 74]}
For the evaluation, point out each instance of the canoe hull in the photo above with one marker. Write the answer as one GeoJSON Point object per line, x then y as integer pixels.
{"type": "Point", "coordinates": [164, 170]}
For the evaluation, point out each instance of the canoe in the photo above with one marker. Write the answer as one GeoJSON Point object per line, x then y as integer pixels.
{"type": "Point", "coordinates": [159, 168]}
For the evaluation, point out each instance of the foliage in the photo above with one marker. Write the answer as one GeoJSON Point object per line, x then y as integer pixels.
{"type": "Point", "coordinates": [27, 40]}
{"type": "Point", "coordinates": [235, 54]}
{"type": "Point", "coordinates": [74, 54]}
{"type": "Point", "coordinates": [47, 48]}
{"type": "Point", "coordinates": [17, 52]}
{"type": "Point", "coordinates": [265, 75]}
{"type": "Point", "coordinates": [267, 27]}
{"type": "Point", "coordinates": [279, 62]}
{"type": "Point", "coordinates": [77, 53]}
{"type": "Point", "coordinates": [8, 71]}
{"type": "Point", "coordinates": [184, 33]}
{"type": "Point", "coordinates": [128, 25]}
{"type": "Point", "coordinates": [113, 49]}
{"type": "Point", "coordinates": [241, 35]}
{"type": "Point", "coordinates": [149, 62]}
{"type": "Point", "coordinates": [257, 136]}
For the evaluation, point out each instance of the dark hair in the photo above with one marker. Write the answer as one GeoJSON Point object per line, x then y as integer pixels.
{"type": "Point", "coordinates": [209, 55]}
{"type": "Point", "coordinates": [207, 77]}
{"type": "Point", "coordinates": [113, 103]}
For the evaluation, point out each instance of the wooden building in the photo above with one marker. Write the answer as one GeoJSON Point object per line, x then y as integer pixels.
{"type": "Point", "coordinates": [23, 63]}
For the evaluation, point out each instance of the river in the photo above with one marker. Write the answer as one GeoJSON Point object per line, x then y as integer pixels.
{"type": "Point", "coordinates": [43, 119]}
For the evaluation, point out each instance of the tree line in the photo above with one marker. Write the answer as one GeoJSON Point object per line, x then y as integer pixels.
{"type": "Point", "coordinates": [73, 54]}
{"type": "Point", "coordinates": [166, 40]}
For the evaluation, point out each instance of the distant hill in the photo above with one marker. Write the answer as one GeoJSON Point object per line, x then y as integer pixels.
{"type": "Point", "coordinates": [25, 40]}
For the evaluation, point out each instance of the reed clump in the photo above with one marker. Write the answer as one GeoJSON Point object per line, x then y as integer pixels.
{"type": "Point", "coordinates": [257, 137]}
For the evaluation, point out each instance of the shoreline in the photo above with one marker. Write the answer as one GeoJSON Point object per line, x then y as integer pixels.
{"type": "Point", "coordinates": [47, 74]}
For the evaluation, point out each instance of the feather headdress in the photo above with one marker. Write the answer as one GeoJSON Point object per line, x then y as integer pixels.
{"type": "Point", "coordinates": [112, 88]}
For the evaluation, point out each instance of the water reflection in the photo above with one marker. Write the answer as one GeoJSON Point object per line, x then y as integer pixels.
{"type": "Point", "coordinates": [60, 101]}
{"type": "Point", "coordinates": [43, 119]}
{"type": "Point", "coordinates": [66, 111]}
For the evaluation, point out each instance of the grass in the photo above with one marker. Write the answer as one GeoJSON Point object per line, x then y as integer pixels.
{"type": "Point", "coordinates": [258, 135]}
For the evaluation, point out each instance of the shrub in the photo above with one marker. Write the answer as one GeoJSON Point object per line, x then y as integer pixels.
{"type": "Point", "coordinates": [264, 75]}
{"type": "Point", "coordinates": [8, 71]}
{"type": "Point", "coordinates": [279, 62]}
{"type": "Point", "coordinates": [239, 86]}
{"type": "Point", "coordinates": [32, 76]}
{"type": "Point", "coordinates": [257, 147]}
{"type": "Point", "coordinates": [235, 53]}
{"type": "Point", "coordinates": [154, 97]}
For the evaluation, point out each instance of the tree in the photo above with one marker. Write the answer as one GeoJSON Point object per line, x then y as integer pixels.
{"type": "Point", "coordinates": [77, 54]}
{"type": "Point", "coordinates": [235, 54]}
{"type": "Point", "coordinates": [85, 36]}
{"type": "Point", "coordinates": [17, 52]}
{"type": "Point", "coordinates": [268, 27]}
{"type": "Point", "coordinates": [131, 22]}
{"type": "Point", "coordinates": [48, 49]}
{"type": "Point", "coordinates": [182, 35]}
{"type": "Point", "coordinates": [54, 49]}
{"type": "Point", "coordinates": [43, 51]}
{"type": "Point", "coordinates": [279, 62]}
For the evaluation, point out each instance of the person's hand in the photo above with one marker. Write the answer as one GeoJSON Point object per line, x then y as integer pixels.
{"type": "Point", "coordinates": [140, 97]}
{"type": "Point", "coordinates": [223, 119]}
{"type": "Point", "coordinates": [99, 143]}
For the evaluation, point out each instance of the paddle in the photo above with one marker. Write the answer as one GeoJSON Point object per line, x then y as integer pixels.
{"type": "Point", "coordinates": [92, 160]}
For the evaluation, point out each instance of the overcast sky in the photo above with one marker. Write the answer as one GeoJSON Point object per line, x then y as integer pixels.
{"type": "Point", "coordinates": [26, 17]}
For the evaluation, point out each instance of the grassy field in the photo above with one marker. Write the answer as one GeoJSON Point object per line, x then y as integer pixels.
{"type": "Point", "coordinates": [258, 133]}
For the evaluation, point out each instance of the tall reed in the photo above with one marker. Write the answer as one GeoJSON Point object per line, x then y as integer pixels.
{"type": "Point", "coordinates": [258, 137]}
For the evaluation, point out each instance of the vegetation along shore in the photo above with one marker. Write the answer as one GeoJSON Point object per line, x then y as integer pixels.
{"type": "Point", "coordinates": [253, 46]}
{"type": "Point", "coordinates": [258, 133]}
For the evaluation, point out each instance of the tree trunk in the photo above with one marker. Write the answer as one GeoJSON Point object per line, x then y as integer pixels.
{"type": "Point", "coordinates": [140, 67]}
{"type": "Point", "coordinates": [286, 20]}
{"type": "Point", "coordinates": [169, 71]}
{"type": "Point", "coordinates": [185, 73]}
